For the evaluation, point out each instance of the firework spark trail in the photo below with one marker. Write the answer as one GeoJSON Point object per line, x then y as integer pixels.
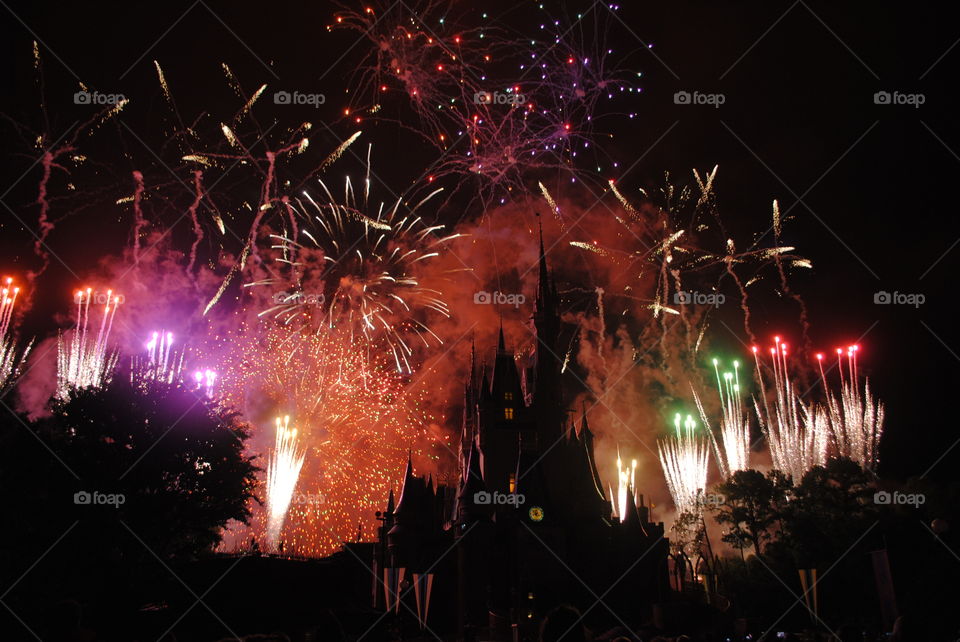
{"type": "Point", "coordinates": [685, 458]}
{"type": "Point", "coordinates": [798, 433]}
{"type": "Point", "coordinates": [87, 360]}
{"type": "Point", "coordinates": [10, 360]}
{"type": "Point", "coordinates": [283, 470]}
{"type": "Point", "coordinates": [732, 449]}
{"type": "Point", "coordinates": [855, 418]}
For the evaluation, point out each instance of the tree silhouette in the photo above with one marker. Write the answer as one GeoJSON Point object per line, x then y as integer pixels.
{"type": "Point", "coordinates": [114, 487]}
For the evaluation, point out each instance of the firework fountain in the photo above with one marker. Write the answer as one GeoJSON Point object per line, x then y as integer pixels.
{"type": "Point", "coordinates": [161, 362]}
{"type": "Point", "coordinates": [86, 359]}
{"type": "Point", "coordinates": [626, 486]}
{"type": "Point", "coordinates": [685, 458]}
{"type": "Point", "coordinates": [283, 470]}
{"type": "Point", "coordinates": [10, 361]}
{"type": "Point", "coordinates": [798, 433]}
{"type": "Point", "coordinates": [855, 417]}
{"type": "Point", "coordinates": [732, 448]}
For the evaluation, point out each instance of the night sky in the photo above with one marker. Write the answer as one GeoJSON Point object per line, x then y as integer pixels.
{"type": "Point", "coordinates": [870, 185]}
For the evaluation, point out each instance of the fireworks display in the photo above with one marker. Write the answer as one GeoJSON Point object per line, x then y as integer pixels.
{"type": "Point", "coordinates": [732, 445]}
{"type": "Point", "coordinates": [283, 470]}
{"type": "Point", "coordinates": [86, 359]}
{"type": "Point", "coordinates": [797, 432]}
{"type": "Point", "coordinates": [332, 305]}
{"type": "Point", "coordinates": [855, 417]}
{"type": "Point", "coordinates": [685, 457]}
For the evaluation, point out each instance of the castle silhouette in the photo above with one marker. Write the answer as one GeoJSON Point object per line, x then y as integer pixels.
{"type": "Point", "coordinates": [526, 525]}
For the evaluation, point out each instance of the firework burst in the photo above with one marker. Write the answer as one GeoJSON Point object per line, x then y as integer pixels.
{"type": "Point", "coordinates": [356, 272]}
{"type": "Point", "coordinates": [283, 470]}
{"type": "Point", "coordinates": [497, 102]}
{"type": "Point", "coordinates": [86, 359]}
{"type": "Point", "coordinates": [732, 448]}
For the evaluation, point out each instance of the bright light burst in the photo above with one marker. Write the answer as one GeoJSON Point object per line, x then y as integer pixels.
{"type": "Point", "coordinates": [86, 359]}
{"type": "Point", "coordinates": [732, 448]}
{"type": "Point", "coordinates": [798, 433]}
{"type": "Point", "coordinates": [160, 363]}
{"type": "Point", "coordinates": [685, 458]}
{"type": "Point", "coordinates": [356, 271]}
{"type": "Point", "coordinates": [855, 417]}
{"type": "Point", "coordinates": [283, 470]}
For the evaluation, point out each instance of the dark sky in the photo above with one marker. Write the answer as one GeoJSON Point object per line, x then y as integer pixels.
{"type": "Point", "coordinates": [871, 186]}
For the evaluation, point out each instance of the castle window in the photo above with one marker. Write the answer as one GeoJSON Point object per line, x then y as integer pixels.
{"type": "Point", "coordinates": [508, 413]}
{"type": "Point", "coordinates": [508, 396]}
{"type": "Point", "coordinates": [513, 482]}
